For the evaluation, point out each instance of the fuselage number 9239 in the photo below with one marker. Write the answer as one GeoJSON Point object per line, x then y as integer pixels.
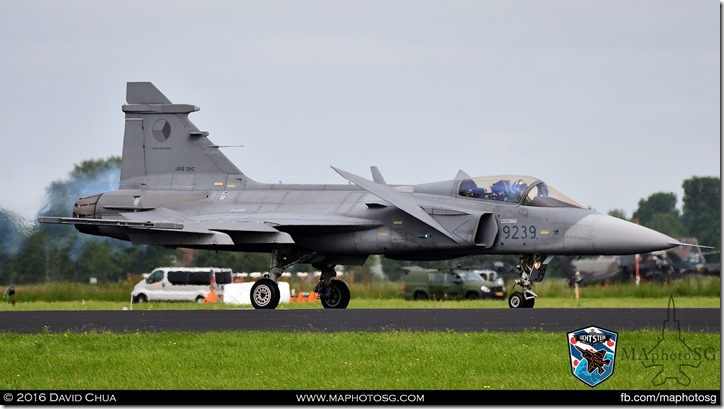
{"type": "Point", "coordinates": [522, 232]}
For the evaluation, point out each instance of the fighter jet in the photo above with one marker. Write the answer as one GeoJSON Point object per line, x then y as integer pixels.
{"type": "Point", "coordinates": [596, 359]}
{"type": "Point", "coordinates": [177, 189]}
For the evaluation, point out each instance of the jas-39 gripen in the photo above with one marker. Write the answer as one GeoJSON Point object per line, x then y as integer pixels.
{"type": "Point", "coordinates": [177, 189]}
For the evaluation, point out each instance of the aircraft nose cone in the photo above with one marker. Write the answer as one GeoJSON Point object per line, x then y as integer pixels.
{"type": "Point", "coordinates": [615, 236]}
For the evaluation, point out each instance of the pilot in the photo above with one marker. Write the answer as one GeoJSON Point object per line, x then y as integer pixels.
{"type": "Point", "coordinates": [468, 188]}
{"type": "Point", "coordinates": [499, 192]}
{"type": "Point", "coordinates": [518, 189]}
{"type": "Point", "coordinates": [522, 187]}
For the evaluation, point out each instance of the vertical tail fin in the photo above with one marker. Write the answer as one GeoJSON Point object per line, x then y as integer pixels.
{"type": "Point", "coordinates": [162, 149]}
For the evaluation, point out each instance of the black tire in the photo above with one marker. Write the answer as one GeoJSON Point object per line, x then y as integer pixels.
{"type": "Point", "coordinates": [200, 299]}
{"type": "Point", "coordinates": [529, 303]}
{"type": "Point", "coordinates": [264, 294]}
{"type": "Point", "coordinates": [141, 298]}
{"type": "Point", "coordinates": [420, 295]}
{"type": "Point", "coordinates": [472, 296]}
{"type": "Point", "coordinates": [338, 295]}
{"type": "Point", "coordinates": [516, 300]}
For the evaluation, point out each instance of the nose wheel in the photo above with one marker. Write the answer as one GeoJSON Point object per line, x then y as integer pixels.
{"type": "Point", "coordinates": [530, 266]}
{"type": "Point", "coordinates": [518, 300]}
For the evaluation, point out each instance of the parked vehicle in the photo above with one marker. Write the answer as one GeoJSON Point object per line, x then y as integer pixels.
{"type": "Point", "coordinates": [424, 284]}
{"type": "Point", "coordinates": [494, 282]}
{"type": "Point", "coordinates": [181, 284]}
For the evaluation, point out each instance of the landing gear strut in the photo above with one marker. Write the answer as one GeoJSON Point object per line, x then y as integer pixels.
{"type": "Point", "coordinates": [530, 268]}
{"type": "Point", "coordinates": [332, 293]}
{"type": "Point", "coordinates": [265, 292]}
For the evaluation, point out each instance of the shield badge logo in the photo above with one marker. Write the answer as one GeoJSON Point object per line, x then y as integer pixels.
{"type": "Point", "coordinates": [593, 354]}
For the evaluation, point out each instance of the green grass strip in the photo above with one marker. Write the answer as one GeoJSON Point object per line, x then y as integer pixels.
{"type": "Point", "coordinates": [530, 360]}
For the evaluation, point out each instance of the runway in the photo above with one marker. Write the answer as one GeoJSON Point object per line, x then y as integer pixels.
{"type": "Point", "coordinates": [363, 320]}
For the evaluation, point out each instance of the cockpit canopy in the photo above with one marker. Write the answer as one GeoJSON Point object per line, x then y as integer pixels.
{"type": "Point", "coordinates": [525, 190]}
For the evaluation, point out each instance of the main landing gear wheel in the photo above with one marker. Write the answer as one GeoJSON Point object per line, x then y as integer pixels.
{"type": "Point", "coordinates": [337, 295]}
{"type": "Point", "coordinates": [265, 294]}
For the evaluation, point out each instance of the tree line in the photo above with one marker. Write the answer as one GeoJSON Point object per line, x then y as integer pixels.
{"type": "Point", "coordinates": [700, 217]}
{"type": "Point", "coordinates": [37, 253]}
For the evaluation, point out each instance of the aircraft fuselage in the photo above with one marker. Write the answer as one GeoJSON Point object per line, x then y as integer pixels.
{"type": "Point", "coordinates": [371, 225]}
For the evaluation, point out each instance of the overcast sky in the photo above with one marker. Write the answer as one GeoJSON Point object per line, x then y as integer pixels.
{"type": "Point", "coordinates": [609, 102]}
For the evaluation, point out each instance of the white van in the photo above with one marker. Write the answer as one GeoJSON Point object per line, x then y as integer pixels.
{"type": "Point", "coordinates": [181, 284]}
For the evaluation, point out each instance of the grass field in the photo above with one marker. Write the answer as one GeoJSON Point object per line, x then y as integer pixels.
{"type": "Point", "coordinates": [334, 361]}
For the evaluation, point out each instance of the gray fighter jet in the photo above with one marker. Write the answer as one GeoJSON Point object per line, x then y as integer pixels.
{"type": "Point", "coordinates": [179, 190]}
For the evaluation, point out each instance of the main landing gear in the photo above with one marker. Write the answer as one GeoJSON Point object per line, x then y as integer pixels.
{"type": "Point", "coordinates": [332, 293]}
{"type": "Point", "coordinates": [265, 292]}
{"type": "Point", "coordinates": [530, 268]}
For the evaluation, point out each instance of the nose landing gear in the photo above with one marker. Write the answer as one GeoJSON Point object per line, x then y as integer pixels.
{"type": "Point", "coordinates": [531, 268]}
{"type": "Point", "coordinates": [526, 299]}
